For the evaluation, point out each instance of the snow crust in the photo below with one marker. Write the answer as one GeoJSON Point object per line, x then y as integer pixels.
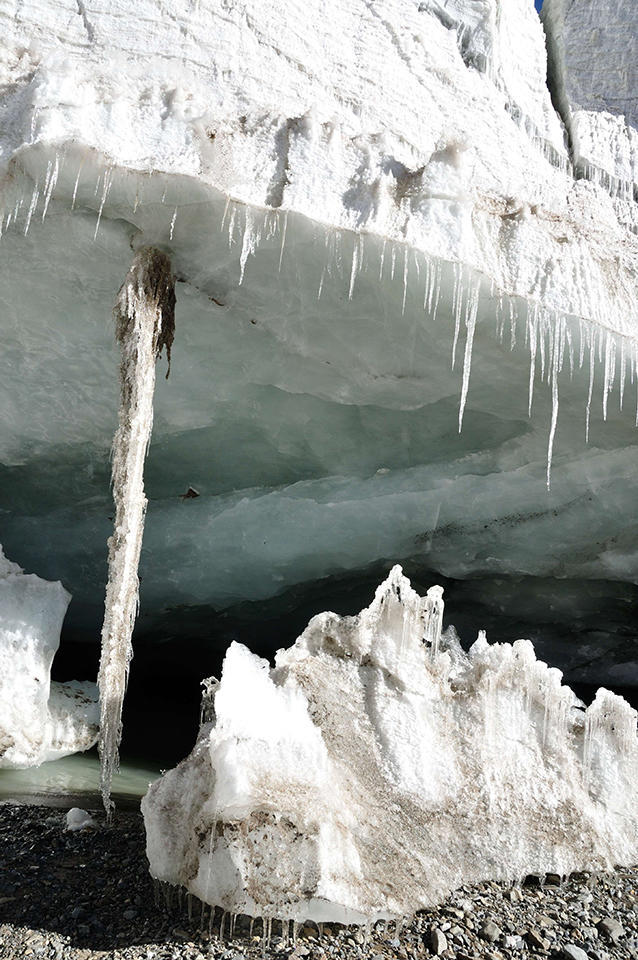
{"type": "Point", "coordinates": [39, 720]}
{"type": "Point", "coordinates": [378, 766]}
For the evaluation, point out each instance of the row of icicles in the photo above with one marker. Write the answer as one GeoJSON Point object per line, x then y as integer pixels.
{"type": "Point", "coordinates": [548, 336]}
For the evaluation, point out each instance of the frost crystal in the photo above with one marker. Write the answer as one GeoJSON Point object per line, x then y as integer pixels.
{"type": "Point", "coordinates": [145, 323]}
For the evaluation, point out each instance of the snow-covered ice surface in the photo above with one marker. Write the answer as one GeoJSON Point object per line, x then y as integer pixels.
{"type": "Point", "coordinates": [378, 766]}
{"type": "Point", "coordinates": [350, 194]}
{"type": "Point", "coordinates": [39, 719]}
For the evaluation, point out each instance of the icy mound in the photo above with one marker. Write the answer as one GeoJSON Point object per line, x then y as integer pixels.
{"type": "Point", "coordinates": [39, 719]}
{"type": "Point", "coordinates": [378, 766]}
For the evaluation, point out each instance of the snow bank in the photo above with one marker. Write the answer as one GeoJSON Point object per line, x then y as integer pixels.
{"type": "Point", "coordinates": [39, 719]}
{"type": "Point", "coordinates": [374, 770]}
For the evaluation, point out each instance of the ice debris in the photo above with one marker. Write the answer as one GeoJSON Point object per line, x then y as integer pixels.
{"type": "Point", "coordinates": [39, 720]}
{"type": "Point", "coordinates": [378, 766]}
{"type": "Point", "coordinates": [78, 819]}
{"type": "Point", "coordinates": [145, 323]}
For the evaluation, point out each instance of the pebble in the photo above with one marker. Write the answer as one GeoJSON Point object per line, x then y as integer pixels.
{"type": "Point", "coordinates": [611, 928]}
{"type": "Point", "coordinates": [438, 942]}
{"type": "Point", "coordinates": [572, 952]}
{"type": "Point", "coordinates": [490, 932]}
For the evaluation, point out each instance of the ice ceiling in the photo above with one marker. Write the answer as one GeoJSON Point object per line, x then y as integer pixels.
{"type": "Point", "coordinates": [334, 251]}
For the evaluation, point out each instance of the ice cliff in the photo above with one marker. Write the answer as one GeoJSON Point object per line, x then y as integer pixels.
{"type": "Point", "coordinates": [39, 720]}
{"type": "Point", "coordinates": [378, 766]}
{"type": "Point", "coordinates": [351, 195]}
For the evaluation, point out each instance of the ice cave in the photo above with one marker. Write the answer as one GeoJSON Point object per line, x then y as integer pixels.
{"type": "Point", "coordinates": [400, 240]}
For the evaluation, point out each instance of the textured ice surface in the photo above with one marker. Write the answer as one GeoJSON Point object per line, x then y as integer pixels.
{"type": "Point", "coordinates": [593, 48]}
{"type": "Point", "coordinates": [370, 772]}
{"type": "Point", "coordinates": [39, 720]}
{"type": "Point", "coordinates": [348, 195]}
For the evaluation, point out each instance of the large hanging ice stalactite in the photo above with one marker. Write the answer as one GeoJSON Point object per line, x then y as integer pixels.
{"type": "Point", "coordinates": [145, 323]}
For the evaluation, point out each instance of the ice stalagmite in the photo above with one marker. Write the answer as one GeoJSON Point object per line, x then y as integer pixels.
{"type": "Point", "coordinates": [145, 322]}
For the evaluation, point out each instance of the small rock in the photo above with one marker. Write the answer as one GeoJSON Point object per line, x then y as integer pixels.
{"type": "Point", "coordinates": [514, 895]}
{"type": "Point", "coordinates": [438, 941]}
{"type": "Point", "coordinates": [513, 942]}
{"type": "Point", "coordinates": [611, 928]}
{"type": "Point", "coordinates": [535, 939]}
{"type": "Point", "coordinates": [489, 931]}
{"type": "Point", "coordinates": [572, 952]}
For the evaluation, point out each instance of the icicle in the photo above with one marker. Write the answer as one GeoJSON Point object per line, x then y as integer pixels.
{"type": "Point", "coordinates": [283, 240]}
{"type": "Point", "coordinates": [145, 322]}
{"type": "Point", "coordinates": [323, 274]}
{"type": "Point", "coordinates": [433, 619]}
{"type": "Point", "coordinates": [610, 370]}
{"type": "Point", "coordinates": [231, 227]}
{"type": "Point", "coordinates": [356, 253]}
{"type": "Point", "coordinates": [513, 319]}
{"type": "Point", "coordinates": [435, 292]}
{"type": "Point", "coordinates": [532, 330]}
{"type": "Point", "coordinates": [53, 169]}
{"type": "Point", "coordinates": [75, 188]}
{"type": "Point", "coordinates": [393, 262]}
{"type": "Point", "coordinates": [456, 310]}
{"type": "Point", "coordinates": [592, 348]}
{"type": "Point", "coordinates": [405, 279]}
{"type": "Point", "coordinates": [248, 244]}
{"type": "Point", "coordinates": [382, 259]}
{"type": "Point", "coordinates": [108, 178]}
{"type": "Point", "coordinates": [34, 202]}
{"type": "Point", "coordinates": [225, 214]}
{"type": "Point", "coordinates": [427, 284]}
{"type": "Point", "coordinates": [555, 365]}
{"type": "Point", "coordinates": [170, 233]}
{"type": "Point", "coordinates": [623, 370]}
{"type": "Point", "coordinates": [471, 311]}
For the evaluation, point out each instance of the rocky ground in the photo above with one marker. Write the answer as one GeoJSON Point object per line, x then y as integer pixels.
{"type": "Point", "coordinates": [88, 895]}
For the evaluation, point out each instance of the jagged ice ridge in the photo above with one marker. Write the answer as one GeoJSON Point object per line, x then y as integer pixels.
{"type": "Point", "coordinates": [378, 766]}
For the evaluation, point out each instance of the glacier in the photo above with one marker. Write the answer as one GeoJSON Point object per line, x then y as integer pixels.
{"type": "Point", "coordinates": [351, 199]}
{"type": "Point", "coordinates": [378, 766]}
{"type": "Point", "coordinates": [39, 720]}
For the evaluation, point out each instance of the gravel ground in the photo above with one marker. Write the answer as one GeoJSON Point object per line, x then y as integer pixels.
{"type": "Point", "coordinates": [88, 895]}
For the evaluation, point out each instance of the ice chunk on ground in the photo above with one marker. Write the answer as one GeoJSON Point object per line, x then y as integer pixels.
{"type": "Point", "coordinates": [39, 719]}
{"type": "Point", "coordinates": [367, 774]}
{"type": "Point", "coordinates": [78, 819]}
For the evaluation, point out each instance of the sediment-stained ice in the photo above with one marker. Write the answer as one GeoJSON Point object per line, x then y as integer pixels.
{"type": "Point", "coordinates": [378, 766]}
{"type": "Point", "coordinates": [39, 719]}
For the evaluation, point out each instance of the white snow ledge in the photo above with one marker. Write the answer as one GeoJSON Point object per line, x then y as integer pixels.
{"type": "Point", "coordinates": [435, 132]}
{"type": "Point", "coordinates": [378, 766]}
